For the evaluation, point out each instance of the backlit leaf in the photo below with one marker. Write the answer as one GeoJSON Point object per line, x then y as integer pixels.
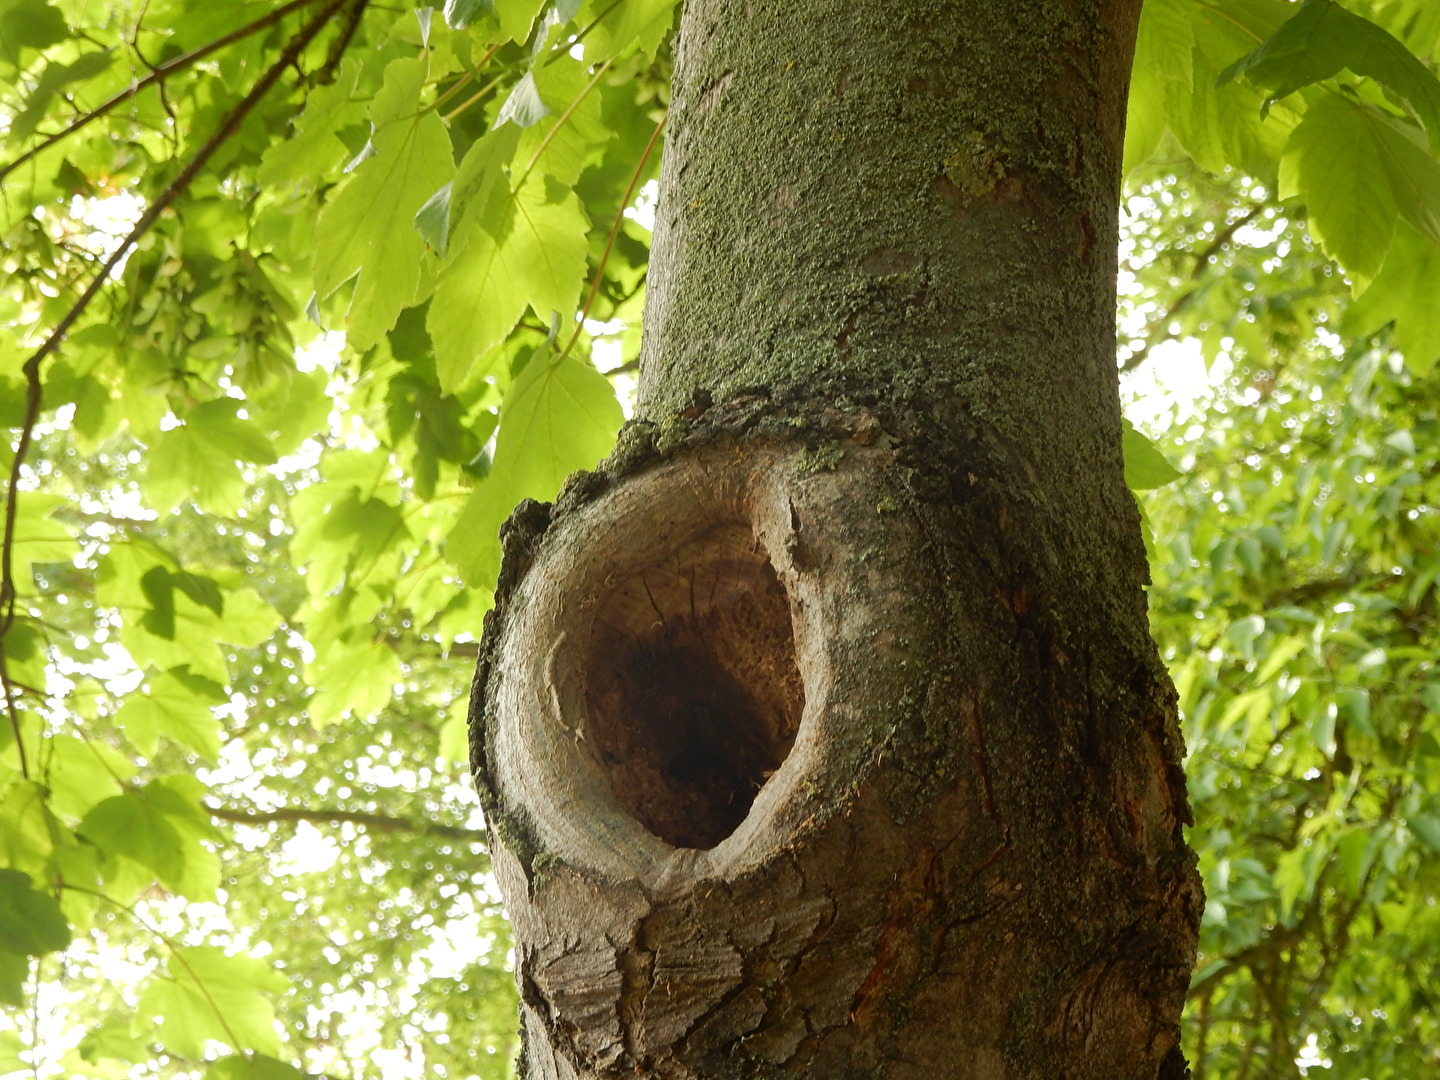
{"type": "Point", "coordinates": [252, 1067]}
{"type": "Point", "coordinates": [200, 460]}
{"type": "Point", "coordinates": [31, 923]}
{"type": "Point", "coordinates": [517, 16]}
{"type": "Point", "coordinates": [523, 107]}
{"type": "Point", "coordinates": [1405, 293]}
{"type": "Point", "coordinates": [314, 150]}
{"type": "Point", "coordinates": [1145, 467]}
{"type": "Point", "coordinates": [367, 228]}
{"type": "Point", "coordinates": [207, 994]}
{"type": "Point", "coordinates": [640, 24]}
{"type": "Point", "coordinates": [529, 252]}
{"type": "Point", "coordinates": [559, 416]}
{"type": "Point", "coordinates": [176, 706]}
{"type": "Point", "coordinates": [1335, 162]}
{"type": "Point", "coordinates": [1320, 39]}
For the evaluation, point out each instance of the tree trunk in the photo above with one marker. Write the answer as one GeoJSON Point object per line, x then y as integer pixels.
{"type": "Point", "coordinates": [819, 731]}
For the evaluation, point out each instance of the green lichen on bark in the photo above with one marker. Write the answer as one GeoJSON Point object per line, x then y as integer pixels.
{"type": "Point", "coordinates": [975, 167]}
{"type": "Point", "coordinates": [767, 253]}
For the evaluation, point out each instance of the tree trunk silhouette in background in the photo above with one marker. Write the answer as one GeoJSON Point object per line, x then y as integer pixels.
{"type": "Point", "coordinates": [819, 730]}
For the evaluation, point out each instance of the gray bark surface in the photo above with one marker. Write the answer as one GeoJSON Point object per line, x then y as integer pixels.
{"type": "Point", "coordinates": [819, 730]}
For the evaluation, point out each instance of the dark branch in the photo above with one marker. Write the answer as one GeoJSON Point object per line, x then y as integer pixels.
{"type": "Point", "coordinates": [373, 822]}
{"type": "Point", "coordinates": [158, 74]}
{"type": "Point", "coordinates": [342, 42]}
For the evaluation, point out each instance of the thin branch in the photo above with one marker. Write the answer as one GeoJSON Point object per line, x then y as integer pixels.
{"type": "Point", "coordinates": [173, 135]}
{"type": "Point", "coordinates": [33, 391]}
{"type": "Point", "coordinates": [158, 74]}
{"type": "Point", "coordinates": [1156, 332]}
{"type": "Point", "coordinates": [614, 231]}
{"type": "Point", "coordinates": [1271, 945]}
{"type": "Point", "coordinates": [373, 822]}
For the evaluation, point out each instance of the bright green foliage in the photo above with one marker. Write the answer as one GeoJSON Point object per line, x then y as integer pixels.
{"type": "Point", "coordinates": [205, 994]}
{"type": "Point", "coordinates": [240, 538]}
{"type": "Point", "coordinates": [366, 229]}
{"type": "Point", "coordinates": [561, 417]}
{"type": "Point", "coordinates": [1406, 296]}
{"type": "Point", "coordinates": [1295, 600]}
{"type": "Point", "coordinates": [256, 526]}
{"type": "Point", "coordinates": [1322, 38]}
{"type": "Point", "coordinates": [1343, 140]}
{"type": "Point", "coordinates": [254, 1067]}
{"type": "Point", "coordinates": [1145, 466]}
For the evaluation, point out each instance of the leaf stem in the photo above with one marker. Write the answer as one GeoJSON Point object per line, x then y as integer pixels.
{"type": "Point", "coordinates": [175, 951]}
{"type": "Point", "coordinates": [472, 99]}
{"type": "Point", "coordinates": [461, 82]}
{"type": "Point", "coordinates": [559, 123]}
{"type": "Point", "coordinates": [614, 231]}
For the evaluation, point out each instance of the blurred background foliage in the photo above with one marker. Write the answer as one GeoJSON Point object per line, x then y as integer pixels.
{"type": "Point", "coordinates": [251, 524]}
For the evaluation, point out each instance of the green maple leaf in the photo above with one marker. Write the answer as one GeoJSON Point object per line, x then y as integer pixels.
{"type": "Point", "coordinates": [559, 416]}
{"type": "Point", "coordinates": [208, 994]}
{"type": "Point", "coordinates": [1405, 292]}
{"type": "Point", "coordinates": [200, 459]}
{"type": "Point", "coordinates": [528, 251]}
{"type": "Point", "coordinates": [176, 705]}
{"type": "Point", "coordinates": [367, 228]}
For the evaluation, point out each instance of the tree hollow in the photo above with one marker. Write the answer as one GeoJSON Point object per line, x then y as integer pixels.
{"type": "Point", "coordinates": [693, 695]}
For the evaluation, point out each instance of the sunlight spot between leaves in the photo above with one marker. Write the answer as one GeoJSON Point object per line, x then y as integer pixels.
{"type": "Point", "coordinates": [308, 851]}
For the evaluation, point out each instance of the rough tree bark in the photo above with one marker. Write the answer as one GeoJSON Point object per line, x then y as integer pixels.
{"type": "Point", "coordinates": [819, 730]}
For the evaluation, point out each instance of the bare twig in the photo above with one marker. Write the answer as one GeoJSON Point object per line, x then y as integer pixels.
{"type": "Point", "coordinates": [33, 390]}
{"type": "Point", "coordinates": [373, 822]}
{"type": "Point", "coordinates": [158, 74]}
